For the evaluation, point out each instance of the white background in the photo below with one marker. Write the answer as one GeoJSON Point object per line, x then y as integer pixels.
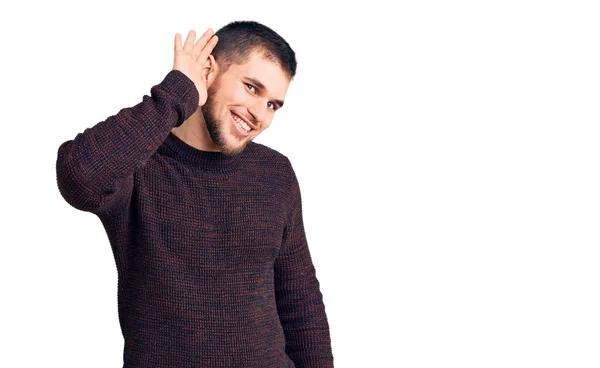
{"type": "Point", "coordinates": [447, 154]}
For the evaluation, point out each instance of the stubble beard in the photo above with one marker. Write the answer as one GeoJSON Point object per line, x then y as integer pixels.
{"type": "Point", "coordinates": [216, 127]}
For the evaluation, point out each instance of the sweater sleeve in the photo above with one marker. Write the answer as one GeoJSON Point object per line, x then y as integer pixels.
{"type": "Point", "coordinates": [94, 171]}
{"type": "Point", "coordinates": [299, 300]}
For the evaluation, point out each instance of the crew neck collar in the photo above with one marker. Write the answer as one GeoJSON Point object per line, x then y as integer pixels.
{"type": "Point", "coordinates": [208, 160]}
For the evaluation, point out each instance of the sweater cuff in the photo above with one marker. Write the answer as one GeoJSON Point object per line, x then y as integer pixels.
{"type": "Point", "coordinates": [183, 90]}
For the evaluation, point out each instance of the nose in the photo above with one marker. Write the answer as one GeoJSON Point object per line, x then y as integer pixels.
{"type": "Point", "coordinates": [258, 110]}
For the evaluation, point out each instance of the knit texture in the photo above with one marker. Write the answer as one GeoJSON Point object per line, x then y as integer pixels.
{"type": "Point", "coordinates": [213, 265]}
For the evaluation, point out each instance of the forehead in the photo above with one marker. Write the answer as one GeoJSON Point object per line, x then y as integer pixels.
{"type": "Point", "coordinates": [269, 73]}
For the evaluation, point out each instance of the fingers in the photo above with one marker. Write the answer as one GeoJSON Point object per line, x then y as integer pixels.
{"type": "Point", "coordinates": [202, 48]}
{"type": "Point", "coordinates": [201, 51]}
{"type": "Point", "coordinates": [204, 39]}
{"type": "Point", "coordinates": [189, 41]}
{"type": "Point", "coordinates": [178, 42]}
{"type": "Point", "coordinates": [207, 50]}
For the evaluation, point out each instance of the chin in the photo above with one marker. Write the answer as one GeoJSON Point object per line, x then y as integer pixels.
{"type": "Point", "coordinates": [234, 145]}
{"type": "Point", "coordinates": [232, 150]}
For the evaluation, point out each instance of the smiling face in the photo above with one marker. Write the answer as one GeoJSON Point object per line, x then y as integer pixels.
{"type": "Point", "coordinates": [242, 102]}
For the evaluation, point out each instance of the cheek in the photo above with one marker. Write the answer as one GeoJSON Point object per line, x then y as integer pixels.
{"type": "Point", "coordinates": [240, 97]}
{"type": "Point", "coordinates": [267, 123]}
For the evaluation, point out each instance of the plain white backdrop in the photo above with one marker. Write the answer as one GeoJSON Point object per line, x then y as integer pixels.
{"type": "Point", "coordinates": [447, 154]}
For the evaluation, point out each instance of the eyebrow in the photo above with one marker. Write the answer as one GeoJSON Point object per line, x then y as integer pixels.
{"type": "Point", "coordinates": [262, 86]}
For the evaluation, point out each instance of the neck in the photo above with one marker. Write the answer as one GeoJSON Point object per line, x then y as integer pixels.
{"type": "Point", "coordinates": [193, 131]}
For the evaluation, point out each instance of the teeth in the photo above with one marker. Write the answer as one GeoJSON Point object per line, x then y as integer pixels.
{"type": "Point", "coordinates": [241, 123]}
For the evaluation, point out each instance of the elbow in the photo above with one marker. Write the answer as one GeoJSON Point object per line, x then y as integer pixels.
{"type": "Point", "coordinates": [70, 183]}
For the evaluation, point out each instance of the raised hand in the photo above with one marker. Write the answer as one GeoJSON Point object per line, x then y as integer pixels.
{"type": "Point", "coordinates": [195, 61]}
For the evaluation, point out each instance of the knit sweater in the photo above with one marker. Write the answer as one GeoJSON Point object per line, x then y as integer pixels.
{"type": "Point", "coordinates": [213, 265]}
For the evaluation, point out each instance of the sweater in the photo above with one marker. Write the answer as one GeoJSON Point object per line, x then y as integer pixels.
{"type": "Point", "coordinates": [213, 265]}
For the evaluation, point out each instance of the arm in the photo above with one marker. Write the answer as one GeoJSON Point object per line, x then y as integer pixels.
{"type": "Point", "coordinates": [299, 300]}
{"type": "Point", "coordinates": [95, 169]}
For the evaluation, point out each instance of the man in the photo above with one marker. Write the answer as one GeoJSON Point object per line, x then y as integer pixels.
{"type": "Point", "coordinates": [205, 225]}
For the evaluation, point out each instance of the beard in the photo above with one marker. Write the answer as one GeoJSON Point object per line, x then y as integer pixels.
{"type": "Point", "coordinates": [217, 128]}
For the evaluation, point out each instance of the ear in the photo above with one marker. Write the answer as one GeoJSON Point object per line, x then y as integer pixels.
{"type": "Point", "coordinates": [210, 71]}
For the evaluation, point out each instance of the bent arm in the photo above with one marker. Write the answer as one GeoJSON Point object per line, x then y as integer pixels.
{"type": "Point", "coordinates": [94, 171]}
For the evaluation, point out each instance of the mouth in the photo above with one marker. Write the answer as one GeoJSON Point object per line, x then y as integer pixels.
{"type": "Point", "coordinates": [242, 127]}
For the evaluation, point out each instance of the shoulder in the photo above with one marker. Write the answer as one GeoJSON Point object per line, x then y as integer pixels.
{"type": "Point", "coordinates": [267, 155]}
{"type": "Point", "coordinates": [274, 165]}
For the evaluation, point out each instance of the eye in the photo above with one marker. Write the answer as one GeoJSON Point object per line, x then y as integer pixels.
{"type": "Point", "coordinates": [272, 105]}
{"type": "Point", "coordinates": [250, 87]}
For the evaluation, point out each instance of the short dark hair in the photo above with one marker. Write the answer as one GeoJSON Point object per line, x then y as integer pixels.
{"type": "Point", "coordinates": [237, 40]}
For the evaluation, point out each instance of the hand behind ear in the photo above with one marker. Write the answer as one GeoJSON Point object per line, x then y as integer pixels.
{"type": "Point", "coordinates": [195, 61]}
{"type": "Point", "coordinates": [211, 69]}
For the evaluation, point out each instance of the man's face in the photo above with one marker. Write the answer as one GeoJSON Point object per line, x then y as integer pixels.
{"type": "Point", "coordinates": [252, 91]}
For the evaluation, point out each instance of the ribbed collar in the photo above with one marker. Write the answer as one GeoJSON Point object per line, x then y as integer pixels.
{"type": "Point", "coordinates": [206, 160]}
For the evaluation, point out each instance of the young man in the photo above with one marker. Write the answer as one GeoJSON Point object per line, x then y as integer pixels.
{"type": "Point", "coordinates": [205, 225]}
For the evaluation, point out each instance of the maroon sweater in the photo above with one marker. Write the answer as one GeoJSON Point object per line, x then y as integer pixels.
{"type": "Point", "coordinates": [213, 265]}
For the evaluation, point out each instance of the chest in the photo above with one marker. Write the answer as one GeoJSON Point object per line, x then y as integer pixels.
{"type": "Point", "coordinates": [210, 218]}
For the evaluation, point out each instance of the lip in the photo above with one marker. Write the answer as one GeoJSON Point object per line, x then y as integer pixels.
{"type": "Point", "coordinates": [245, 120]}
{"type": "Point", "coordinates": [240, 131]}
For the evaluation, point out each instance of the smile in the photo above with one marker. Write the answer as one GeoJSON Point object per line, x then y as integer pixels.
{"type": "Point", "coordinates": [240, 125]}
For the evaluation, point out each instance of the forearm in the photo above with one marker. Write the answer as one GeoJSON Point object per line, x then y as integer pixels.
{"type": "Point", "coordinates": [303, 318]}
{"type": "Point", "coordinates": [101, 160]}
